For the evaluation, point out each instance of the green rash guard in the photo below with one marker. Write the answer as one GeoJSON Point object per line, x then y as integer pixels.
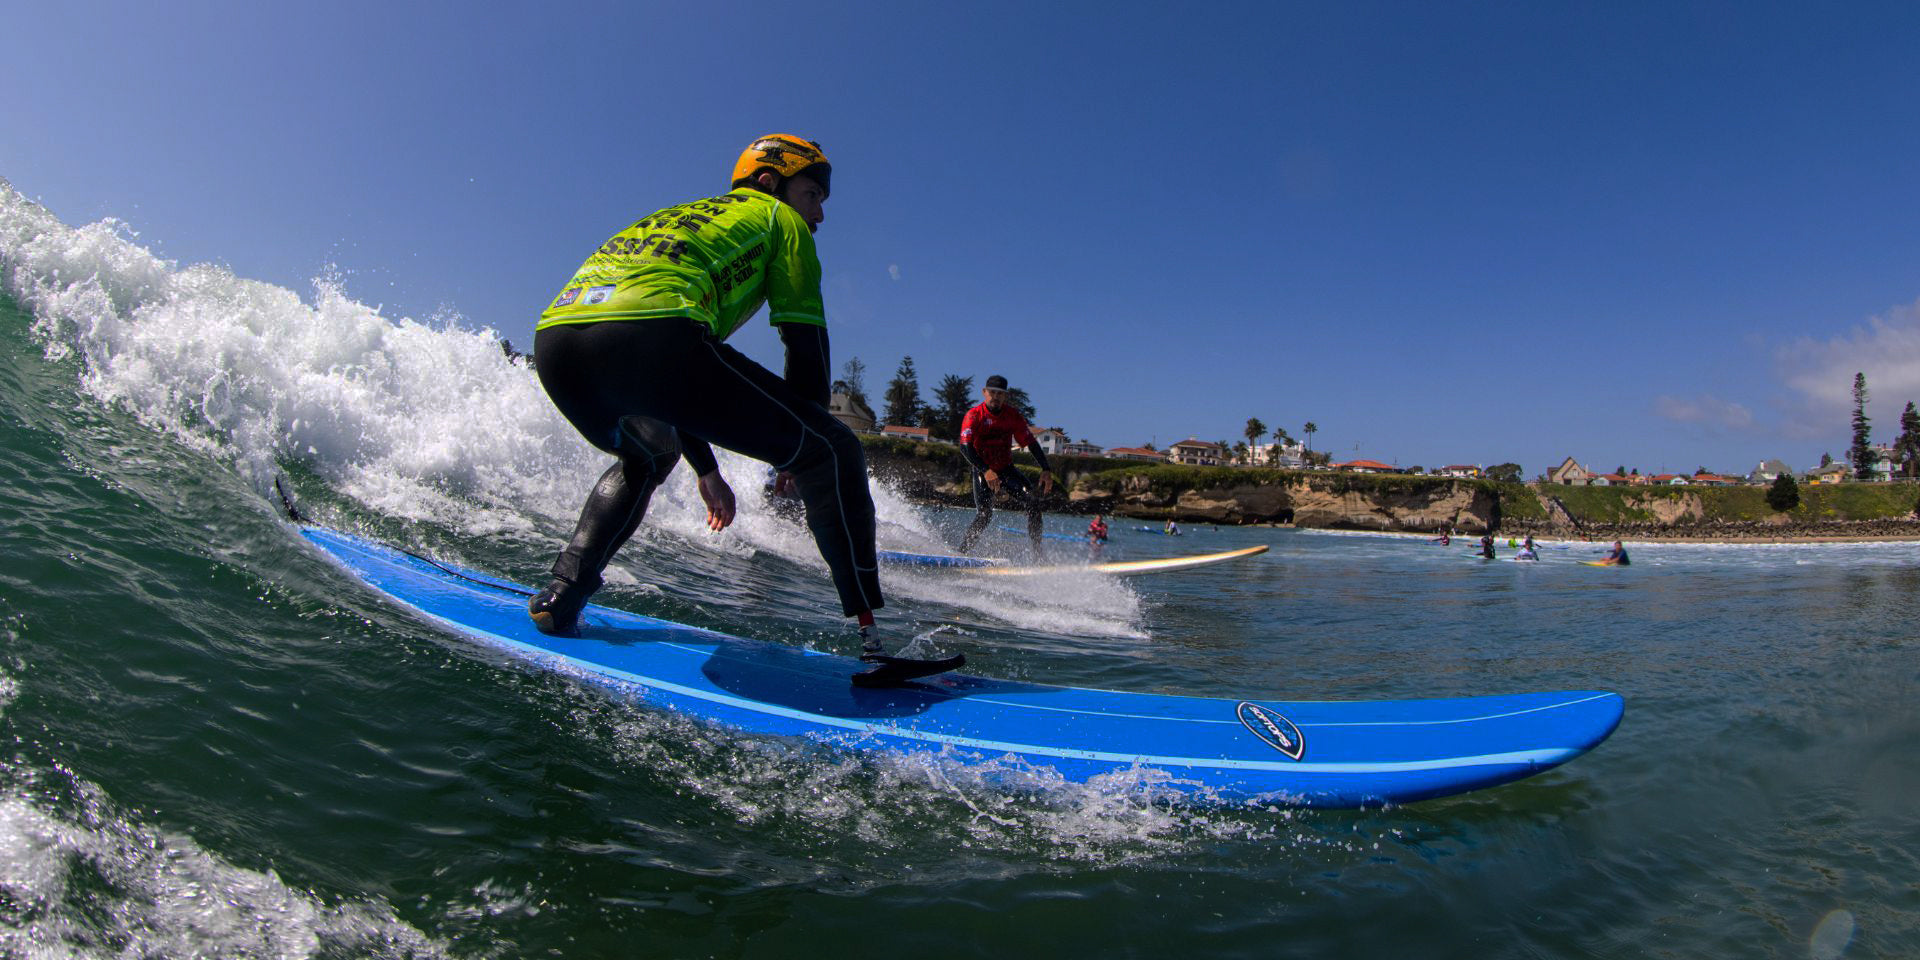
{"type": "Point", "coordinates": [714, 260]}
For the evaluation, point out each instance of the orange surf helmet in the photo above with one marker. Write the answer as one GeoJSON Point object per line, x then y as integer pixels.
{"type": "Point", "coordinates": [786, 155]}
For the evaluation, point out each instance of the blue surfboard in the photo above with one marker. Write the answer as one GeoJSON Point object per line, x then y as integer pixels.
{"type": "Point", "coordinates": [1321, 753]}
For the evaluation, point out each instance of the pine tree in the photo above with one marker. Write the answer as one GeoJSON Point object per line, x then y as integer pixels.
{"type": "Point", "coordinates": [903, 395]}
{"type": "Point", "coordinates": [951, 401]}
{"type": "Point", "coordinates": [1021, 402]}
{"type": "Point", "coordinates": [1784, 495]}
{"type": "Point", "coordinates": [1906, 450]}
{"type": "Point", "coordinates": [1861, 453]}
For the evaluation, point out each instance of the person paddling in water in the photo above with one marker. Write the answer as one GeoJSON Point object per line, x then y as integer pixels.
{"type": "Point", "coordinates": [1527, 550]}
{"type": "Point", "coordinates": [1097, 529]}
{"type": "Point", "coordinates": [987, 435]}
{"type": "Point", "coordinates": [1486, 546]}
{"type": "Point", "coordinates": [631, 350]}
{"type": "Point", "coordinates": [1617, 557]}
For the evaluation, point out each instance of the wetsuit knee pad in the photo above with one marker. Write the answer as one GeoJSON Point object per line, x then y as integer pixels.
{"type": "Point", "coordinates": [647, 447]}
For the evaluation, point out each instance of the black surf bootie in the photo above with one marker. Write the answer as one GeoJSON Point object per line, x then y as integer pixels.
{"type": "Point", "coordinates": [556, 610]}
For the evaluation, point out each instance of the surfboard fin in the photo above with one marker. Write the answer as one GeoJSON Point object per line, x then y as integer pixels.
{"type": "Point", "coordinates": [894, 671]}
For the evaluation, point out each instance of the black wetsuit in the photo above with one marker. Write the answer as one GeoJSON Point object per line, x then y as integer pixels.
{"type": "Point", "coordinates": [1014, 485]}
{"type": "Point", "coordinates": [650, 391]}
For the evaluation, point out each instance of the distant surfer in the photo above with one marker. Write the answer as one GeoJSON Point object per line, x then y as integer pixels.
{"type": "Point", "coordinates": [1445, 538]}
{"type": "Point", "coordinates": [1527, 550]}
{"type": "Point", "coordinates": [1097, 529]}
{"type": "Point", "coordinates": [1617, 557]}
{"type": "Point", "coordinates": [1486, 546]}
{"type": "Point", "coordinates": [631, 352]}
{"type": "Point", "coordinates": [1172, 529]}
{"type": "Point", "coordinates": [987, 435]}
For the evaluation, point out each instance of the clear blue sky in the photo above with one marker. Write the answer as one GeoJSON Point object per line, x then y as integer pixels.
{"type": "Point", "coordinates": [1658, 235]}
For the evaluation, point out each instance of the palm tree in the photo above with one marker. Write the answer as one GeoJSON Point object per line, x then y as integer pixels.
{"type": "Point", "coordinates": [1255, 430]}
{"type": "Point", "coordinates": [1281, 440]}
{"type": "Point", "coordinates": [1310, 430]}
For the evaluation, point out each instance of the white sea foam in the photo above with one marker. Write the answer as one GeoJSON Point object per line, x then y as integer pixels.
{"type": "Point", "coordinates": [898, 810]}
{"type": "Point", "coordinates": [155, 894]}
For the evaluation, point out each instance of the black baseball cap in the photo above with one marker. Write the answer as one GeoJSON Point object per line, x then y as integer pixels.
{"type": "Point", "coordinates": [996, 382]}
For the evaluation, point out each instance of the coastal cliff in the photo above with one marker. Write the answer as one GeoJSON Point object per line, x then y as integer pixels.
{"type": "Point", "coordinates": [936, 473]}
{"type": "Point", "coordinates": [1338, 501]}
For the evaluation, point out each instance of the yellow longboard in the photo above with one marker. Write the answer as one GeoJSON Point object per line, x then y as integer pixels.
{"type": "Point", "coordinates": [1123, 568]}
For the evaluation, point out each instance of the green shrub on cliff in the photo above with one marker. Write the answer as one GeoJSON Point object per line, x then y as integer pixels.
{"type": "Point", "coordinates": [1825, 501]}
{"type": "Point", "coordinates": [1784, 495]}
{"type": "Point", "coordinates": [1517, 501]}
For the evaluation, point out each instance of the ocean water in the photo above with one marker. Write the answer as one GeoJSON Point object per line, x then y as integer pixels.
{"type": "Point", "coordinates": [221, 747]}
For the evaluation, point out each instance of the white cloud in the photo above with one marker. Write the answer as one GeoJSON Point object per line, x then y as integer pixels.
{"type": "Point", "coordinates": [1704, 409]}
{"type": "Point", "coordinates": [1819, 373]}
{"type": "Point", "coordinates": [893, 270]}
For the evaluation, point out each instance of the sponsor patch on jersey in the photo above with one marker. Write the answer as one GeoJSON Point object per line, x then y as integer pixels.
{"type": "Point", "coordinates": [598, 294]}
{"type": "Point", "coordinates": [1276, 730]}
{"type": "Point", "coordinates": [567, 297]}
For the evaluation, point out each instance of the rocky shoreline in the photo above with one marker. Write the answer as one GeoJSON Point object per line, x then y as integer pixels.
{"type": "Point", "coordinates": [1415, 505]}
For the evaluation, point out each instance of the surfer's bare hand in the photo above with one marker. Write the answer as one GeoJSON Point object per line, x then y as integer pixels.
{"type": "Point", "coordinates": [719, 498]}
{"type": "Point", "coordinates": [1046, 482]}
{"type": "Point", "coordinates": [993, 481]}
{"type": "Point", "coordinates": [784, 485]}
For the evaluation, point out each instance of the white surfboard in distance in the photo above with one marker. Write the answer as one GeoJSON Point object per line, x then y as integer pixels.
{"type": "Point", "coordinates": [1122, 568]}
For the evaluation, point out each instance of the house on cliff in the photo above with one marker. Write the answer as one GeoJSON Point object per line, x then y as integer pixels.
{"type": "Point", "coordinates": [1831, 473]}
{"type": "Point", "coordinates": [906, 433]}
{"type": "Point", "coordinates": [1290, 456]}
{"type": "Point", "coordinates": [1367, 466]}
{"type": "Point", "coordinates": [1571, 473]}
{"type": "Point", "coordinates": [1458, 471]}
{"type": "Point", "coordinates": [1199, 453]}
{"type": "Point", "coordinates": [849, 409]}
{"type": "Point", "coordinates": [1768, 471]}
{"type": "Point", "coordinates": [1055, 442]}
{"type": "Point", "coordinates": [1137, 453]}
{"type": "Point", "coordinates": [1883, 460]}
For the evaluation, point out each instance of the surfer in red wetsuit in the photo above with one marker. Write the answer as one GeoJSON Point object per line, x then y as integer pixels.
{"type": "Point", "coordinates": [987, 435]}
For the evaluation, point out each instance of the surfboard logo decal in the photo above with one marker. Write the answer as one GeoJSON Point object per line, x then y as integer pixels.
{"type": "Point", "coordinates": [1276, 730]}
